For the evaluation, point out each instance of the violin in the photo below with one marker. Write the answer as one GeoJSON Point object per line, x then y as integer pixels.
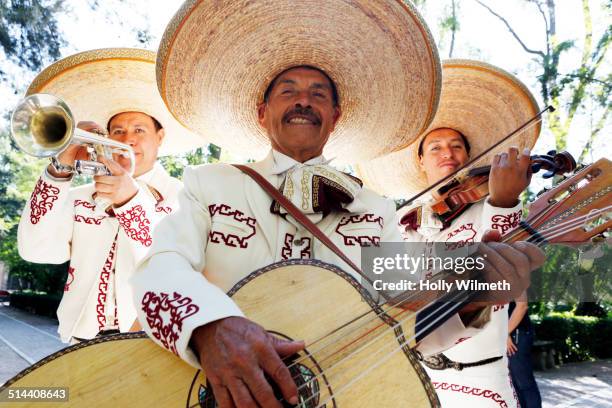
{"type": "Point", "coordinates": [452, 199]}
{"type": "Point", "coordinates": [473, 185]}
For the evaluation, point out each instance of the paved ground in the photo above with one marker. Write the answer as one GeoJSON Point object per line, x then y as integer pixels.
{"type": "Point", "coordinates": [25, 339]}
{"type": "Point", "coordinates": [577, 385]}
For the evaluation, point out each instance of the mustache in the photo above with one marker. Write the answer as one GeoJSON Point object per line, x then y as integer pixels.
{"type": "Point", "coordinates": [307, 113]}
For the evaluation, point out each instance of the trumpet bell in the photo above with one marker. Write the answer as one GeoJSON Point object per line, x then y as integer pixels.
{"type": "Point", "coordinates": [42, 125]}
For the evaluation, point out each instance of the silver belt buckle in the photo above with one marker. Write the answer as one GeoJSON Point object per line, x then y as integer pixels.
{"type": "Point", "coordinates": [441, 362]}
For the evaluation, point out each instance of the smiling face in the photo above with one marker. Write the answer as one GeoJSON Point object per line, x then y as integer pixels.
{"type": "Point", "coordinates": [140, 132]}
{"type": "Point", "coordinates": [442, 152]}
{"type": "Point", "coordinates": [300, 112]}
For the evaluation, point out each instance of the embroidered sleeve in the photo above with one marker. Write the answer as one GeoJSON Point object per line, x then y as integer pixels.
{"type": "Point", "coordinates": [174, 296]}
{"type": "Point", "coordinates": [46, 215]}
{"type": "Point", "coordinates": [136, 224]}
{"type": "Point", "coordinates": [501, 219]}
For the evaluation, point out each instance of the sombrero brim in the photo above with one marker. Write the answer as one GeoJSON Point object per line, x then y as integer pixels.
{"type": "Point", "coordinates": [98, 84]}
{"type": "Point", "coordinates": [483, 102]}
{"type": "Point", "coordinates": [217, 58]}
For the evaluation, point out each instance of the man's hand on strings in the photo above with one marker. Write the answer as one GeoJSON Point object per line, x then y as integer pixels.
{"type": "Point", "coordinates": [510, 262]}
{"type": "Point", "coordinates": [235, 353]}
{"type": "Point", "coordinates": [509, 177]}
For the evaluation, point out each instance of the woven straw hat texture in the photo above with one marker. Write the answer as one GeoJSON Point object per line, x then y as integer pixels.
{"type": "Point", "coordinates": [483, 102]}
{"type": "Point", "coordinates": [216, 59]}
{"type": "Point", "coordinates": [98, 84]}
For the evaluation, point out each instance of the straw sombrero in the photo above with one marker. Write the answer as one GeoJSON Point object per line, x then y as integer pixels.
{"type": "Point", "coordinates": [98, 84]}
{"type": "Point", "coordinates": [483, 102]}
{"type": "Point", "coordinates": [216, 59]}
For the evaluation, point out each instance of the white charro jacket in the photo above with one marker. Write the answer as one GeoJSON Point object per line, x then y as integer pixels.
{"type": "Point", "coordinates": [223, 231]}
{"type": "Point", "coordinates": [487, 385]}
{"type": "Point", "coordinates": [59, 224]}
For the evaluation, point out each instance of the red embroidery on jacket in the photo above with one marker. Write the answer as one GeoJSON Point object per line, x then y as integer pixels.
{"type": "Point", "coordinates": [504, 223]}
{"type": "Point", "coordinates": [42, 199]}
{"type": "Point", "coordinates": [165, 316]}
{"type": "Point", "coordinates": [462, 339]}
{"type": "Point", "coordinates": [472, 391]}
{"type": "Point", "coordinates": [85, 204]}
{"type": "Point", "coordinates": [88, 220]}
{"type": "Point", "coordinates": [463, 235]}
{"type": "Point", "coordinates": [231, 240]}
{"type": "Point", "coordinates": [286, 250]}
{"type": "Point", "coordinates": [136, 224]}
{"type": "Point", "coordinates": [103, 286]}
{"type": "Point", "coordinates": [163, 209]}
{"type": "Point", "coordinates": [361, 240]}
{"type": "Point", "coordinates": [70, 279]}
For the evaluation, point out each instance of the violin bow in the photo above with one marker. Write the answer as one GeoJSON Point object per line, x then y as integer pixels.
{"type": "Point", "coordinates": [530, 122]}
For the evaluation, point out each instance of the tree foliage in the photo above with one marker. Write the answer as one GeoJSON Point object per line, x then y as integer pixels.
{"type": "Point", "coordinates": [569, 92]}
{"type": "Point", "coordinates": [29, 34]}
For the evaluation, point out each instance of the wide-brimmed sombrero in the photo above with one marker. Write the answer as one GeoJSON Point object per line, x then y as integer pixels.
{"type": "Point", "coordinates": [483, 102]}
{"type": "Point", "coordinates": [98, 84]}
{"type": "Point", "coordinates": [217, 58]}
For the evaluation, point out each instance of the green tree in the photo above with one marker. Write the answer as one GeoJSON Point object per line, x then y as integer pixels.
{"type": "Point", "coordinates": [29, 35]}
{"type": "Point", "coordinates": [569, 92]}
{"type": "Point", "coordinates": [175, 165]}
{"type": "Point", "coordinates": [29, 40]}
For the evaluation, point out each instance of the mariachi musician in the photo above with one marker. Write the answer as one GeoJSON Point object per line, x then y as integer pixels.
{"type": "Point", "coordinates": [480, 103]}
{"type": "Point", "coordinates": [115, 90]}
{"type": "Point", "coordinates": [272, 82]}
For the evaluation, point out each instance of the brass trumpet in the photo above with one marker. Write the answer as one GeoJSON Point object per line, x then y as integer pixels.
{"type": "Point", "coordinates": [42, 125]}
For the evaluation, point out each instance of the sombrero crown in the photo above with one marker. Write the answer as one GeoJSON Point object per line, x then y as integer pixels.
{"type": "Point", "coordinates": [483, 102]}
{"type": "Point", "coordinates": [98, 84]}
{"type": "Point", "coordinates": [216, 59]}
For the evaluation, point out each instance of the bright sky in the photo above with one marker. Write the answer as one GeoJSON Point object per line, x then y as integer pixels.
{"type": "Point", "coordinates": [481, 36]}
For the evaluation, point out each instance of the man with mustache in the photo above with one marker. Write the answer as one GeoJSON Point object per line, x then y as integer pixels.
{"type": "Point", "coordinates": [60, 222]}
{"type": "Point", "coordinates": [237, 231]}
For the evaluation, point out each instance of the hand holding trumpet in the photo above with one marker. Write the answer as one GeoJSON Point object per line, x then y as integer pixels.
{"type": "Point", "coordinates": [75, 151]}
{"type": "Point", "coordinates": [119, 187]}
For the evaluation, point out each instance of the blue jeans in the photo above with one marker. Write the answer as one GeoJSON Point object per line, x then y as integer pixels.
{"type": "Point", "coordinates": [521, 370]}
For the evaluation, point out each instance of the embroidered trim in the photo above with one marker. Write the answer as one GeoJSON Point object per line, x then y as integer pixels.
{"type": "Point", "coordinates": [163, 209]}
{"type": "Point", "coordinates": [361, 240]}
{"type": "Point", "coordinates": [85, 204]}
{"type": "Point", "coordinates": [88, 220]}
{"type": "Point", "coordinates": [504, 223]}
{"type": "Point", "coordinates": [136, 224]}
{"type": "Point", "coordinates": [165, 316]}
{"type": "Point", "coordinates": [42, 199]}
{"type": "Point", "coordinates": [471, 391]}
{"type": "Point", "coordinates": [469, 239]}
{"type": "Point", "coordinates": [231, 240]}
{"type": "Point", "coordinates": [103, 286]}
{"type": "Point", "coordinates": [70, 279]}
{"type": "Point", "coordinates": [286, 250]}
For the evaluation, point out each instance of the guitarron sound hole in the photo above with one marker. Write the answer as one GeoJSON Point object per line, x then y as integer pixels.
{"type": "Point", "coordinates": [305, 379]}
